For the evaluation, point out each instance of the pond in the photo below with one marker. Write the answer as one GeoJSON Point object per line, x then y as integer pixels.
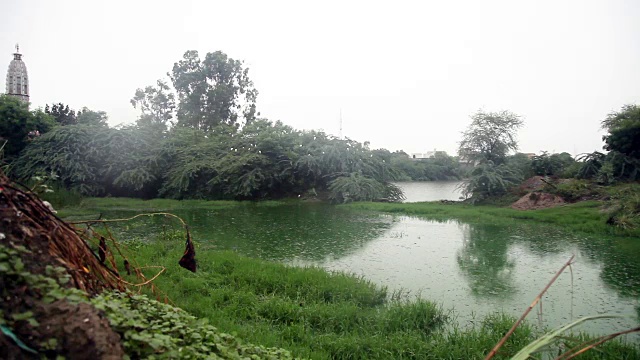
{"type": "Point", "coordinates": [474, 268]}
{"type": "Point", "coordinates": [416, 191]}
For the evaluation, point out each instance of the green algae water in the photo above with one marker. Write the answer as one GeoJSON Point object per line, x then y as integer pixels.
{"type": "Point", "coordinates": [473, 268]}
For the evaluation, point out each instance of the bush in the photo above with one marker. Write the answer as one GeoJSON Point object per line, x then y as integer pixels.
{"type": "Point", "coordinates": [574, 190]}
{"type": "Point", "coordinates": [488, 180]}
{"type": "Point", "coordinates": [357, 187]}
{"type": "Point", "coordinates": [624, 207]}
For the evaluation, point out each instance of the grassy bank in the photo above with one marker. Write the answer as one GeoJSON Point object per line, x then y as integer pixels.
{"type": "Point", "coordinates": [312, 313]}
{"type": "Point", "coordinates": [586, 216]}
{"type": "Point", "coordinates": [94, 206]}
{"type": "Point", "coordinates": [320, 315]}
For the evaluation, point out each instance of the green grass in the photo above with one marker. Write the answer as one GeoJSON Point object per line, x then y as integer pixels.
{"type": "Point", "coordinates": [321, 315]}
{"type": "Point", "coordinates": [316, 314]}
{"type": "Point", "coordinates": [587, 216]}
{"type": "Point", "coordinates": [312, 313]}
{"type": "Point", "coordinates": [95, 205]}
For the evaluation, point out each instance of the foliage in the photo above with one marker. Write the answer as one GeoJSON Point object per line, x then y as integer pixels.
{"type": "Point", "coordinates": [490, 137]}
{"type": "Point", "coordinates": [591, 164]}
{"type": "Point", "coordinates": [622, 167]}
{"type": "Point", "coordinates": [574, 190]}
{"type": "Point", "coordinates": [487, 180]}
{"type": "Point", "coordinates": [62, 114]}
{"type": "Point", "coordinates": [47, 287]}
{"type": "Point", "coordinates": [439, 167]}
{"type": "Point", "coordinates": [356, 187]}
{"type": "Point", "coordinates": [92, 118]}
{"type": "Point", "coordinates": [551, 165]}
{"type": "Point", "coordinates": [93, 160]}
{"type": "Point", "coordinates": [149, 328]}
{"type": "Point", "coordinates": [213, 91]}
{"type": "Point", "coordinates": [624, 206]}
{"type": "Point", "coordinates": [262, 160]}
{"type": "Point", "coordinates": [16, 123]}
{"type": "Point", "coordinates": [623, 131]}
{"type": "Point", "coordinates": [521, 163]}
{"type": "Point", "coordinates": [156, 104]}
{"type": "Point", "coordinates": [556, 335]}
{"type": "Point", "coordinates": [67, 152]}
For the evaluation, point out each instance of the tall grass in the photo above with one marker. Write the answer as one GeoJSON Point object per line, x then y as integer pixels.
{"type": "Point", "coordinates": [62, 198]}
{"type": "Point", "coordinates": [321, 315]}
{"type": "Point", "coordinates": [317, 314]}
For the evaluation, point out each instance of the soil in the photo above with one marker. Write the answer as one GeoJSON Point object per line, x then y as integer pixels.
{"type": "Point", "coordinates": [80, 330]}
{"type": "Point", "coordinates": [534, 183]}
{"type": "Point", "coordinates": [537, 200]}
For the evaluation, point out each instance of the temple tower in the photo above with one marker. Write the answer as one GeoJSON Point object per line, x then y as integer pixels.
{"type": "Point", "coordinates": [17, 79]}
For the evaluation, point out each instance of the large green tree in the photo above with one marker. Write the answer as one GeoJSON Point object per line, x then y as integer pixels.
{"type": "Point", "coordinates": [551, 165]}
{"type": "Point", "coordinates": [16, 124]}
{"type": "Point", "coordinates": [90, 117]}
{"type": "Point", "coordinates": [623, 129]}
{"type": "Point", "coordinates": [157, 105]}
{"type": "Point", "coordinates": [490, 137]}
{"type": "Point", "coordinates": [213, 91]}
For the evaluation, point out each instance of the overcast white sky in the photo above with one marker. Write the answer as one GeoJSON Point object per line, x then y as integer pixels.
{"type": "Point", "coordinates": [406, 75]}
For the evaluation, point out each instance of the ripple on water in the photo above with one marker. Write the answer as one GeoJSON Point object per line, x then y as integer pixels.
{"type": "Point", "coordinates": [476, 268]}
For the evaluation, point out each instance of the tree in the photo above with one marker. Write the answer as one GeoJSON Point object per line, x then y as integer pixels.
{"type": "Point", "coordinates": [490, 137]}
{"type": "Point", "coordinates": [552, 165]}
{"type": "Point", "coordinates": [156, 104]}
{"type": "Point", "coordinates": [521, 163]}
{"type": "Point", "coordinates": [92, 118]}
{"type": "Point", "coordinates": [18, 125]}
{"type": "Point", "coordinates": [488, 180]}
{"type": "Point", "coordinates": [623, 131]}
{"type": "Point", "coordinates": [214, 91]}
{"type": "Point", "coordinates": [356, 187]}
{"type": "Point", "coordinates": [62, 114]}
{"type": "Point", "coordinates": [591, 164]}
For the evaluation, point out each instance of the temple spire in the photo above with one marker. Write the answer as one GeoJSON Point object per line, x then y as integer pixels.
{"type": "Point", "coordinates": [17, 84]}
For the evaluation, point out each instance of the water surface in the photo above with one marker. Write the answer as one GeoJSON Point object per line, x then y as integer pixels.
{"type": "Point", "coordinates": [416, 191]}
{"type": "Point", "coordinates": [474, 268]}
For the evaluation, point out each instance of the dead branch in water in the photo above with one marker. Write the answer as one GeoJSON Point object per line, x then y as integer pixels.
{"type": "Point", "coordinates": [495, 349]}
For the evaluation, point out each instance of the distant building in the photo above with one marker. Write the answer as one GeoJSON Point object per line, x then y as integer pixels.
{"type": "Point", "coordinates": [424, 155]}
{"type": "Point", "coordinates": [17, 78]}
{"type": "Point", "coordinates": [530, 155]}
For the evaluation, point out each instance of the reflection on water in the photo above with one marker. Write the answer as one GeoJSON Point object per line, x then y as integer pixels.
{"type": "Point", "coordinates": [479, 269]}
{"type": "Point", "coordinates": [485, 262]}
{"type": "Point", "coordinates": [474, 268]}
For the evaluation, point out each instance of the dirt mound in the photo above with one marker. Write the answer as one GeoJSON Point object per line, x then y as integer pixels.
{"type": "Point", "coordinates": [533, 183]}
{"type": "Point", "coordinates": [537, 200]}
{"type": "Point", "coordinates": [41, 257]}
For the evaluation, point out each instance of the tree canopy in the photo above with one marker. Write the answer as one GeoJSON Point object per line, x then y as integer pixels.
{"type": "Point", "coordinates": [490, 137]}
{"type": "Point", "coordinates": [264, 159]}
{"type": "Point", "coordinates": [213, 91]}
{"type": "Point", "coordinates": [156, 104]}
{"type": "Point", "coordinates": [18, 125]}
{"type": "Point", "coordinates": [623, 131]}
{"type": "Point", "coordinates": [62, 114]}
